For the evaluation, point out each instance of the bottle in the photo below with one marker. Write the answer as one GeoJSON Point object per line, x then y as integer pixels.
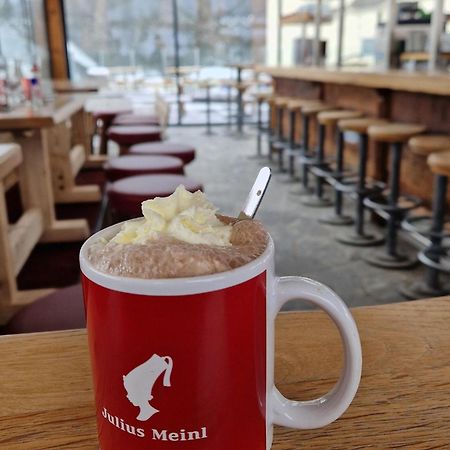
{"type": "Point", "coordinates": [35, 87]}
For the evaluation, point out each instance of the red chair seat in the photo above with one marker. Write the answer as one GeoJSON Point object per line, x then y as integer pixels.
{"type": "Point", "coordinates": [127, 194]}
{"type": "Point", "coordinates": [130, 165]}
{"type": "Point", "coordinates": [136, 119]}
{"type": "Point", "coordinates": [108, 115]}
{"type": "Point", "coordinates": [183, 151]}
{"type": "Point", "coordinates": [61, 310]}
{"type": "Point", "coordinates": [134, 134]}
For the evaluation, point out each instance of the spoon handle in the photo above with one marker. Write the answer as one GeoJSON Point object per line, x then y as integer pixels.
{"type": "Point", "coordinates": [256, 194]}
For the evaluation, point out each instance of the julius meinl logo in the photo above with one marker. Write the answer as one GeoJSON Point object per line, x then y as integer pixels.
{"type": "Point", "coordinates": [139, 383]}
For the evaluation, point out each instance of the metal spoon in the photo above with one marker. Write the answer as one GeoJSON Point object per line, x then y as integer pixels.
{"type": "Point", "coordinates": [256, 194]}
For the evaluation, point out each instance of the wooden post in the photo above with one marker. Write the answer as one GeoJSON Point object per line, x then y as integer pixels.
{"type": "Point", "coordinates": [435, 34]}
{"type": "Point", "coordinates": [389, 30]}
{"type": "Point", "coordinates": [340, 32]}
{"type": "Point", "coordinates": [54, 13]}
{"type": "Point", "coordinates": [279, 33]}
{"type": "Point", "coordinates": [317, 23]}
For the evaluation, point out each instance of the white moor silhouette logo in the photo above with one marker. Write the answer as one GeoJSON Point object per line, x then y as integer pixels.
{"type": "Point", "coordinates": [139, 383]}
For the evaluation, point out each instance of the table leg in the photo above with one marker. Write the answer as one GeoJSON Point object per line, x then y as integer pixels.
{"type": "Point", "coordinates": [38, 192]}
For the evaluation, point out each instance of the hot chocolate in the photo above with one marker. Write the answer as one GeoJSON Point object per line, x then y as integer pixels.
{"type": "Point", "coordinates": [179, 236]}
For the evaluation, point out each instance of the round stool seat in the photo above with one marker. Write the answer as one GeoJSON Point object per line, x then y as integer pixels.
{"type": "Point", "coordinates": [394, 132]}
{"type": "Point", "coordinates": [331, 117]}
{"type": "Point", "coordinates": [316, 108]}
{"type": "Point", "coordinates": [60, 310]}
{"type": "Point", "coordinates": [440, 163]}
{"type": "Point", "coordinates": [263, 96]}
{"type": "Point", "coordinates": [136, 119]}
{"type": "Point", "coordinates": [424, 145]}
{"type": "Point", "coordinates": [359, 125]}
{"type": "Point", "coordinates": [127, 194]}
{"type": "Point", "coordinates": [134, 134]}
{"type": "Point", "coordinates": [281, 102]}
{"type": "Point", "coordinates": [183, 151]}
{"type": "Point", "coordinates": [130, 165]}
{"type": "Point", "coordinates": [299, 103]}
{"type": "Point", "coordinates": [109, 115]}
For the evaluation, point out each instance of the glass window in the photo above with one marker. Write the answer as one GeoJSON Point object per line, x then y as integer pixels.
{"type": "Point", "coordinates": [104, 36]}
{"type": "Point", "coordinates": [23, 36]}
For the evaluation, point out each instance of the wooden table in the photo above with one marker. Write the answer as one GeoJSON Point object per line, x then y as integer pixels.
{"type": "Point", "coordinates": [403, 402]}
{"type": "Point", "coordinates": [55, 146]}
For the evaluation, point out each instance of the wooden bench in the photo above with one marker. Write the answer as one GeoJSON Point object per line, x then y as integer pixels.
{"type": "Point", "coordinates": [16, 240]}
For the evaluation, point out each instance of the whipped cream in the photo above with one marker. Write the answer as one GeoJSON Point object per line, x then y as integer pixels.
{"type": "Point", "coordinates": [186, 216]}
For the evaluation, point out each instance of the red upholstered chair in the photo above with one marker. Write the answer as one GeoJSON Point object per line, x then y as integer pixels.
{"type": "Point", "coordinates": [130, 165]}
{"type": "Point", "coordinates": [126, 195]}
{"type": "Point", "coordinates": [183, 151]}
{"type": "Point", "coordinates": [61, 310]}
{"type": "Point", "coordinates": [126, 136]}
{"type": "Point", "coordinates": [136, 119]}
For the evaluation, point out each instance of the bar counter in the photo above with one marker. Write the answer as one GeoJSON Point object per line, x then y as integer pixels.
{"type": "Point", "coordinates": [46, 398]}
{"type": "Point", "coordinates": [436, 83]}
{"type": "Point", "coordinates": [398, 96]}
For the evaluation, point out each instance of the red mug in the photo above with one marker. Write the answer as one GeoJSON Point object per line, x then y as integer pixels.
{"type": "Point", "coordinates": [188, 363]}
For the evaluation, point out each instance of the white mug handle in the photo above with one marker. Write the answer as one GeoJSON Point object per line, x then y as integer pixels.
{"type": "Point", "coordinates": [324, 410]}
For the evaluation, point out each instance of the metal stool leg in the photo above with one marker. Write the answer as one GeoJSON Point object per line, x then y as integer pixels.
{"type": "Point", "coordinates": [337, 218]}
{"type": "Point", "coordinates": [208, 111]}
{"type": "Point", "coordinates": [391, 258]}
{"type": "Point", "coordinates": [318, 200]}
{"type": "Point", "coordinates": [259, 130]}
{"type": "Point", "coordinates": [292, 117]}
{"type": "Point", "coordinates": [431, 286]}
{"type": "Point", "coordinates": [240, 112]}
{"type": "Point", "coordinates": [304, 150]}
{"type": "Point", "coordinates": [358, 237]}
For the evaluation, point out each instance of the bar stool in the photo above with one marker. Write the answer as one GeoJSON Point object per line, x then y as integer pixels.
{"type": "Point", "coordinates": [322, 170]}
{"type": "Point", "coordinates": [294, 150]}
{"type": "Point", "coordinates": [436, 257]}
{"type": "Point", "coordinates": [423, 146]}
{"type": "Point", "coordinates": [126, 136]}
{"type": "Point", "coordinates": [307, 157]}
{"type": "Point", "coordinates": [127, 194]}
{"type": "Point", "coordinates": [278, 143]}
{"type": "Point", "coordinates": [261, 98]}
{"type": "Point", "coordinates": [103, 120]}
{"type": "Point", "coordinates": [358, 237]}
{"type": "Point", "coordinates": [393, 207]}
{"type": "Point", "coordinates": [136, 119]}
{"type": "Point", "coordinates": [166, 148]}
{"type": "Point", "coordinates": [131, 165]}
{"type": "Point", "coordinates": [60, 310]}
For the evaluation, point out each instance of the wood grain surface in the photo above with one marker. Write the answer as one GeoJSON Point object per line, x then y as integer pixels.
{"type": "Point", "coordinates": [403, 402]}
{"type": "Point", "coordinates": [59, 110]}
{"type": "Point", "coordinates": [426, 83]}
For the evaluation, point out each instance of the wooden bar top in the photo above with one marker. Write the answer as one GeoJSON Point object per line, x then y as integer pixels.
{"type": "Point", "coordinates": [62, 108]}
{"type": "Point", "coordinates": [397, 80]}
{"type": "Point", "coordinates": [46, 398]}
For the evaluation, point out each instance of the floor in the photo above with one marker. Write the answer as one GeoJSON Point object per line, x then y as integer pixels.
{"type": "Point", "coordinates": [226, 165]}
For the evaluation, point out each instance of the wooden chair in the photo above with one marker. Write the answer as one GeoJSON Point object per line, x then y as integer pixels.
{"type": "Point", "coordinates": [66, 161]}
{"type": "Point", "coordinates": [16, 240]}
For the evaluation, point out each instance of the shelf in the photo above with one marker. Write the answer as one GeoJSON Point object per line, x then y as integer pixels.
{"type": "Point", "coordinates": [301, 18]}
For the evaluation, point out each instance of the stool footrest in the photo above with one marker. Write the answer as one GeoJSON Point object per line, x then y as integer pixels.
{"type": "Point", "coordinates": [422, 225]}
{"type": "Point", "coordinates": [437, 258]}
{"type": "Point", "coordinates": [380, 202]}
